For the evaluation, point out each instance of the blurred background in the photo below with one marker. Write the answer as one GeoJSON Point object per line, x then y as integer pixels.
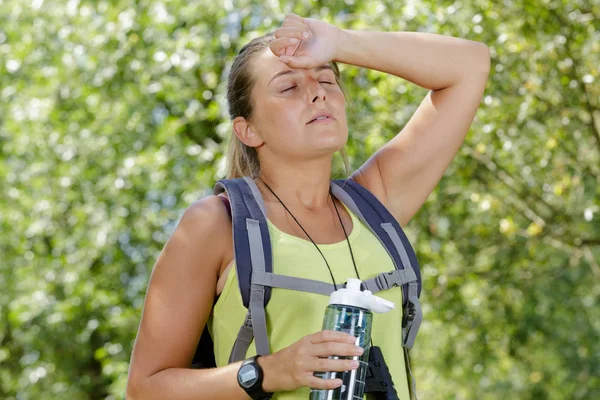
{"type": "Point", "coordinates": [113, 120]}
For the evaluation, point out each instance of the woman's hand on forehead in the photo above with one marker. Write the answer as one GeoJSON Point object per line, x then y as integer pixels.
{"type": "Point", "coordinates": [305, 42]}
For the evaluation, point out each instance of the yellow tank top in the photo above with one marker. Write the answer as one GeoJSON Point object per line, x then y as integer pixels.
{"type": "Point", "coordinates": [292, 314]}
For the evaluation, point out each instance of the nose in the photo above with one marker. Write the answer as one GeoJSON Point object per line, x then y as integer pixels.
{"type": "Point", "coordinates": [316, 91]}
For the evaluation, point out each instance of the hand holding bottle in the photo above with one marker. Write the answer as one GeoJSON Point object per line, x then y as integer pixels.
{"type": "Point", "coordinates": [294, 366]}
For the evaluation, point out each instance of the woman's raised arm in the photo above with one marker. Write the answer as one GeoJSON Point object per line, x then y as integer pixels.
{"type": "Point", "coordinates": [405, 170]}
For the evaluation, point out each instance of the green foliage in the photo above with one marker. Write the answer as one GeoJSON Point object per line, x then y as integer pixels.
{"type": "Point", "coordinates": [113, 120]}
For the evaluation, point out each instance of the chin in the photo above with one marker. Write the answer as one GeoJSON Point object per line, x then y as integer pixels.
{"type": "Point", "coordinates": [330, 144]}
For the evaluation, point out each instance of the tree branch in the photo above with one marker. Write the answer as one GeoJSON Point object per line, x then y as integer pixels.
{"type": "Point", "coordinates": [593, 122]}
{"type": "Point", "coordinates": [591, 242]}
{"type": "Point", "coordinates": [589, 256]}
{"type": "Point", "coordinates": [521, 205]}
{"type": "Point", "coordinates": [511, 183]}
{"type": "Point", "coordinates": [574, 72]}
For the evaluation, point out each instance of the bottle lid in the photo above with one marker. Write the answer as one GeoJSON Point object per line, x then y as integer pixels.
{"type": "Point", "coordinates": [351, 295]}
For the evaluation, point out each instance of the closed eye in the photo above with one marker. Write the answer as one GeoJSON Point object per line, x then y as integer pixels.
{"type": "Point", "coordinates": [294, 87]}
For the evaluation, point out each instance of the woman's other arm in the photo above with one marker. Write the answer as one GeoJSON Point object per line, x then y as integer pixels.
{"type": "Point", "coordinates": [178, 302]}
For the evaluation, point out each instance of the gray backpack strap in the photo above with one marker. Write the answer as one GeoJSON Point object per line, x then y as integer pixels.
{"type": "Point", "coordinates": [396, 278]}
{"type": "Point", "coordinates": [242, 341]}
{"type": "Point", "coordinates": [388, 280]}
{"type": "Point", "coordinates": [412, 321]}
{"type": "Point", "coordinates": [383, 225]}
{"type": "Point", "coordinates": [345, 198]}
{"type": "Point", "coordinates": [255, 323]}
{"type": "Point", "coordinates": [252, 249]}
{"type": "Point", "coordinates": [257, 292]}
{"type": "Point", "coordinates": [292, 283]}
{"type": "Point", "coordinates": [257, 196]}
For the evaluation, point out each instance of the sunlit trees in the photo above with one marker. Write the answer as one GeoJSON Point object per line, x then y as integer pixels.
{"type": "Point", "coordinates": [112, 121]}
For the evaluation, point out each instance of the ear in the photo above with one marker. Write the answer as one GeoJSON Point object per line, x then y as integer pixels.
{"type": "Point", "coordinates": [246, 133]}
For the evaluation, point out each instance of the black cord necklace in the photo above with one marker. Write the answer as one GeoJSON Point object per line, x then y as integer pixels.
{"type": "Point", "coordinates": [313, 242]}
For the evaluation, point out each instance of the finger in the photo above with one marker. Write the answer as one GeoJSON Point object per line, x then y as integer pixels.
{"type": "Point", "coordinates": [333, 365]}
{"type": "Point", "coordinates": [320, 383]}
{"type": "Point", "coordinates": [299, 62]}
{"type": "Point", "coordinates": [293, 23]}
{"type": "Point", "coordinates": [293, 31]}
{"type": "Point", "coordinates": [295, 17]}
{"type": "Point", "coordinates": [335, 348]}
{"type": "Point", "coordinates": [279, 46]}
{"type": "Point", "coordinates": [330, 336]}
{"type": "Point", "coordinates": [291, 51]}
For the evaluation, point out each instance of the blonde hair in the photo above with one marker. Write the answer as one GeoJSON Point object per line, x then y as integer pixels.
{"type": "Point", "coordinates": [243, 160]}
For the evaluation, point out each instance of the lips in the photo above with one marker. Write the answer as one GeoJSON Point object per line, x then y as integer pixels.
{"type": "Point", "coordinates": [320, 114]}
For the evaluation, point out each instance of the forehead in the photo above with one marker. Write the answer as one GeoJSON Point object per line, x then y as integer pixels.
{"type": "Point", "coordinates": [266, 65]}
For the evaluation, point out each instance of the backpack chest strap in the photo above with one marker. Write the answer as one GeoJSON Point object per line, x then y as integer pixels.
{"type": "Point", "coordinates": [254, 325]}
{"type": "Point", "coordinates": [383, 281]}
{"type": "Point", "coordinates": [292, 283]}
{"type": "Point", "coordinates": [388, 280]}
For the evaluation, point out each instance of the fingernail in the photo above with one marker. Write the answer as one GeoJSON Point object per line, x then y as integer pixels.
{"type": "Point", "coordinates": [284, 59]}
{"type": "Point", "coordinates": [359, 350]}
{"type": "Point", "coordinates": [294, 40]}
{"type": "Point", "coordinates": [305, 35]}
{"type": "Point", "coordinates": [354, 364]}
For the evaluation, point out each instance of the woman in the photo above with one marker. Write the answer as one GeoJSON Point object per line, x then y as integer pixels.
{"type": "Point", "coordinates": [289, 118]}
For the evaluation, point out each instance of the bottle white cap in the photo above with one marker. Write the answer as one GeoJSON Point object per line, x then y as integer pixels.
{"type": "Point", "coordinates": [351, 295]}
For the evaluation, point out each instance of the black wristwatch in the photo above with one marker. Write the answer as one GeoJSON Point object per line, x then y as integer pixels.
{"type": "Point", "coordinates": [250, 378]}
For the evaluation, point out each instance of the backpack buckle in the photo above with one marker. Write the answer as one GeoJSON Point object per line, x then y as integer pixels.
{"type": "Point", "coordinates": [409, 314]}
{"type": "Point", "coordinates": [248, 321]}
{"type": "Point", "coordinates": [383, 283]}
{"type": "Point", "coordinates": [413, 317]}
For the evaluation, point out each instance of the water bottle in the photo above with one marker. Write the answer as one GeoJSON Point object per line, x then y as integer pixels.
{"type": "Point", "coordinates": [350, 310]}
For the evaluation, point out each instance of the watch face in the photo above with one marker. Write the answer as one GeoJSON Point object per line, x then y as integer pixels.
{"type": "Point", "coordinates": [247, 376]}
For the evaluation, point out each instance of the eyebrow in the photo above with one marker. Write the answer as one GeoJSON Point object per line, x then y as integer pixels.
{"type": "Point", "coordinates": [294, 71]}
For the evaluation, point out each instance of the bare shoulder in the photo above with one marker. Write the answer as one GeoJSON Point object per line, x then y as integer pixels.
{"type": "Point", "coordinates": [202, 226]}
{"type": "Point", "coordinates": [208, 210]}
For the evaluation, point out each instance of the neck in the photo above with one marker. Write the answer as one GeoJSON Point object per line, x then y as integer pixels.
{"type": "Point", "coordinates": [305, 185]}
